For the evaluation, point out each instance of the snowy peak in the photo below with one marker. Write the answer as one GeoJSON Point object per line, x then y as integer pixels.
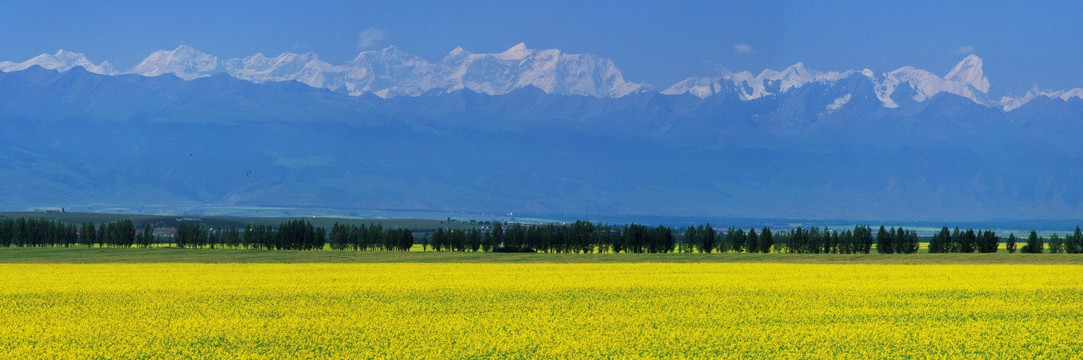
{"type": "Point", "coordinates": [969, 72]}
{"type": "Point", "coordinates": [456, 53]}
{"type": "Point", "coordinates": [517, 52]}
{"type": "Point", "coordinates": [185, 62]}
{"type": "Point", "coordinates": [61, 61]}
{"type": "Point", "coordinates": [796, 73]}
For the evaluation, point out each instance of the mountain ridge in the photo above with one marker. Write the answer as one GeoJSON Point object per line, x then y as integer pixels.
{"type": "Point", "coordinates": [62, 60]}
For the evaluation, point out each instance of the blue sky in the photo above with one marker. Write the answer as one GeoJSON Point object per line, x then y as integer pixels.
{"type": "Point", "coordinates": [660, 42]}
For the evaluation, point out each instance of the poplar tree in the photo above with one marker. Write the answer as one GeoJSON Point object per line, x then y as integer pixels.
{"type": "Point", "coordinates": [487, 242]}
{"type": "Point", "coordinates": [1073, 244]}
{"type": "Point", "coordinates": [1056, 244]}
{"type": "Point", "coordinates": [708, 238]}
{"type": "Point", "coordinates": [752, 241]}
{"type": "Point", "coordinates": [498, 235]}
{"type": "Point", "coordinates": [866, 239]}
{"type": "Point", "coordinates": [739, 240]}
{"type": "Point", "coordinates": [969, 242]}
{"type": "Point", "coordinates": [1034, 244]}
{"type": "Point", "coordinates": [988, 242]}
{"type": "Point", "coordinates": [147, 237]}
{"type": "Point", "coordinates": [766, 241]}
{"type": "Point", "coordinates": [688, 240]}
{"type": "Point", "coordinates": [939, 242]}
{"type": "Point", "coordinates": [88, 234]}
{"type": "Point", "coordinates": [883, 241]}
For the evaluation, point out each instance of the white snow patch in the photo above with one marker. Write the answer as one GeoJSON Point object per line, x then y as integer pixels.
{"type": "Point", "coordinates": [839, 102]}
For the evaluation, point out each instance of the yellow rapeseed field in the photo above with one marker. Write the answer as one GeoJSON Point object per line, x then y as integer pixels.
{"type": "Point", "coordinates": [437, 311]}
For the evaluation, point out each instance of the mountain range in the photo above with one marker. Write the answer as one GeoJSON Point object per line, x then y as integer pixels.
{"type": "Point", "coordinates": [390, 72]}
{"type": "Point", "coordinates": [530, 132]}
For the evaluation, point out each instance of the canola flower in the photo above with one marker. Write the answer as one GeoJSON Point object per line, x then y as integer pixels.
{"type": "Point", "coordinates": [440, 311]}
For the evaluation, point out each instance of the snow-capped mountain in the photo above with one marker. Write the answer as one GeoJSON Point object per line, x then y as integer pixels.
{"type": "Point", "coordinates": [390, 72]}
{"type": "Point", "coordinates": [966, 79]}
{"type": "Point", "coordinates": [185, 62]}
{"type": "Point", "coordinates": [60, 61]}
{"type": "Point", "coordinates": [549, 70]}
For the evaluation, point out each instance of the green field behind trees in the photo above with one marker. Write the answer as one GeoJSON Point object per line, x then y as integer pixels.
{"type": "Point", "coordinates": [77, 255]}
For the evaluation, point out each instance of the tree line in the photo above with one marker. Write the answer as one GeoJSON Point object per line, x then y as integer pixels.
{"type": "Point", "coordinates": [294, 235]}
{"type": "Point", "coordinates": [32, 232]}
{"type": "Point", "coordinates": [578, 237]}
{"type": "Point", "coordinates": [1071, 244]}
{"type": "Point", "coordinates": [956, 241]}
{"type": "Point", "coordinates": [290, 235]}
{"type": "Point", "coordinates": [369, 238]}
{"type": "Point", "coordinates": [585, 237]}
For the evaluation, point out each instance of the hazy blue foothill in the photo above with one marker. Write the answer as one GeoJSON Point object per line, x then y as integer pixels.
{"type": "Point", "coordinates": [80, 140]}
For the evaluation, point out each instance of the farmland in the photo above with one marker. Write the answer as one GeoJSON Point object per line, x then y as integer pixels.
{"type": "Point", "coordinates": [451, 305]}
